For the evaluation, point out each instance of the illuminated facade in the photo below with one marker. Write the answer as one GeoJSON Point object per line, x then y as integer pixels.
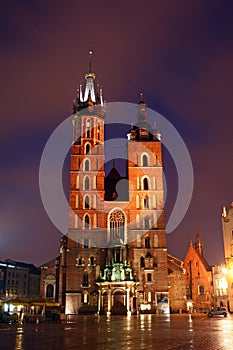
{"type": "Point", "coordinates": [114, 258]}
{"type": "Point", "coordinates": [227, 227]}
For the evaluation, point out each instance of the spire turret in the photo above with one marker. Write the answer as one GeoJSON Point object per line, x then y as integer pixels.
{"type": "Point", "coordinates": [91, 96]}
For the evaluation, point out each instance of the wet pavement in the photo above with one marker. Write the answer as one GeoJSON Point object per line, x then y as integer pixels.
{"type": "Point", "coordinates": [180, 332]}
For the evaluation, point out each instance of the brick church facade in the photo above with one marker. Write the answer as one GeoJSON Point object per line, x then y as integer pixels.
{"type": "Point", "coordinates": [114, 258]}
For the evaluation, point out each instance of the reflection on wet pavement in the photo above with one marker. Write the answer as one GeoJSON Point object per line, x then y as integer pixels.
{"type": "Point", "coordinates": [175, 332]}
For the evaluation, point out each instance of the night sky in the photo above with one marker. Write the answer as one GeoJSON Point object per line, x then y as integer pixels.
{"type": "Point", "coordinates": [179, 53]}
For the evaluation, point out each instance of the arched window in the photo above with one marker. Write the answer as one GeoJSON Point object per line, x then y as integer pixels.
{"type": "Point", "coordinates": [142, 262]}
{"type": "Point", "coordinates": [92, 261]}
{"type": "Point", "coordinates": [50, 291]}
{"type": "Point", "coordinates": [146, 202]}
{"type": "Point", "coordinates": [88, 126]}
{"type": "Point", "coordinates": [137, 201]}
{"type": "Point", "coordinates": [86, 183]}
{"type": "Point", "coordinates": [79, 261]}
{"type": "Point", "coordinates": [86, 221]}
{"type": "Point", "coordinates": [147, 223]}
{"type": "Point", "coordinates": [117, 225]}
{"type": "Point", "coordinates": [155, 261]}
{"type": "Point", "coordinates": [147, 242]}
{"type": "Point", "coordinates": [145, 160]}
{"type": "Point", "coordinates": [85, 279]}
{"type": "Point", "coordinates": [87, 148]}
{"type": "Point", "coordinates": [145, 184]}
{"type": "Point", "coordinates": [87, 202]}
{"type": "Point", "coordinates": [86, 165]}
{"type": "Point", "coordinates": [156, 241]}
{"type": "Point", "coordinates": [95, 224]}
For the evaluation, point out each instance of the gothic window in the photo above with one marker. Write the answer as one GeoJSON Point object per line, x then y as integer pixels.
{"type": "Point", "coordinates": [146, 202]}
{"type": "Point", "coordinates": [94, 181]}
{"type": "Point", "coordinates": [145, 160]}
{"type": "Point", "coordinates": [156, 241]}
{"type": "Point", "coordinates": [138, 183]}
{"type": "Point", "coordinates": [85, 279]}
{"type": "Point", "coordinates": [86, 242]}
{"type": "Point", "coordinates": [117, 225]}
{"type": "Point", "coordinates": [86, 183]}
{"type": "Point", "coordinates": [86, 165]}
{"type": "Point", "coordinates": [49, 291]}
{"type": "Point", "coordinates": [92, 261]}
{"type": "Point", "coordinates": [87, 202]}
{"type": "Point", "coordinates": [88, 126]}
{"type": "Point", "coordinates": [86, 221]}
{"type": "Point", "coordinates": [137, 201]}
{"type": "Point", "coordinates": [142, 262]}
{"type": "Point", "coordinates": [147, 242]}
{"type": "Point", "coordinates": [79, 261]}
{"type": "Point", "coordinates": [87, 148]}
{"type": "Point", "coordinates": [95, 220]}
{"type": "Point", "coordinates": [145, 184]}
{"type": "Point", "coordinates": [155, 183]}
{"type": "Point", "coordinates": [147, 223]}
{"type": "Point", "coordinates": [201, 290]}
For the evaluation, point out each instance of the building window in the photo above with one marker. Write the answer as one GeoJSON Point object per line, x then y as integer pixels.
{"type": "Point", "coordinates": [92, 261]}
{"type": "Point", "coordinates": [145, 184]}
{"type": "Point", "coordinates": [149, 297]}
{"type": "Point", "coordinates": [86, 221]}
{"type": "Point", "coordinates": [146, 202]}
{"type": "Point", "coordinates": [85, 279]}
{"type": "Point", "coordinates": [86, 242]}
{"type": "Point", "coordinates": [147, 223]}
{"type": "Point", "coordinates": [145, 160]}
{"type": "Point", "coordinates": [87, 202]}
{"type": "Point", "coordinates": [142, 262]}
{"type": "Point", "coordinates": [149, 277]}
{"type": "Point", "coordinates": [86, 183]}
{"type": "Point", "coordinates": [87, 148]}
{"type": "Point", "coordinates": [117, 225]}
{"type": "Point", "coordinates": [95, 220]}
{"type": "Point", "coordinates": [94, 181]}
{"type": "Point", "coordinates": [201, 290]}
{"type": "Point", "coordinates": [138, 183]}
{"type": "Point", "coordinates": [77, 182]}
{"type": "Point", "coordinates": [155, 183]}
{"type": "Point", "coordinates": [49, 291]}
{"type": "Point", "coordinates": [79, 261]}
{"type": "Point", "coordinates": [86, 165]}
{"type": "Point", "coordinates": [155, 261]}
{"type": "Point", "coordinates": [88, 126]}
{"type": "Point", "coordinates": [147, 242]}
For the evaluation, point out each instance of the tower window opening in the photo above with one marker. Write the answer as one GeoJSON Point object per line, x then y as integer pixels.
{"type": "Point", "coordinates": [145, 184]}
{"type": "Point", "coordinates": [147, 242]}
{"type": "Point", "coordinates": [86, 165]}
{"type": "Point", "coordinates": [86, 221]}
{"type": "Point", "coordinates": [142, 262]}
{"type": "Point", "coordinates": [87, 202]}
{"type": "Point", "coordinates": [146, 202]}
{"type": "Point", "coordinates": [87, 183]}
{"type": "Point", "coordinates": [85, 282]}
{"type": "Point", "coordinates": [92, 261]}
{"type": "Point", "coordinates": [87, 148]}
{"type": "Point", "coordinates": [147, 223]}
{"type": "Point", "coordinates": [149, 277]}
{"type": "Point", "coordinates": [88, 126]}
{"type": "Point", "coordinates": [145, 160]}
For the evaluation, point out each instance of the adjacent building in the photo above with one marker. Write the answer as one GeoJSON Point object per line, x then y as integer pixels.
{"type": "Point", "coordinates": [199, 284]}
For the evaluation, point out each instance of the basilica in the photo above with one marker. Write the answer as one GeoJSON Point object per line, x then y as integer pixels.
{"type": "Point", "coordinates": [113, 259]}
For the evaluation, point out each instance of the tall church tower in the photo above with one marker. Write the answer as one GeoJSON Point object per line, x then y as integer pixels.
{"type": "Point", "coordinates": [148, 249]}
{"type": "Point", "coordinates": [114, 258]}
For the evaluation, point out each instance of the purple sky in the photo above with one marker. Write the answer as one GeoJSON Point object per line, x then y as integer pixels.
{"type": "Point", "coordinates": [179, 53]}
